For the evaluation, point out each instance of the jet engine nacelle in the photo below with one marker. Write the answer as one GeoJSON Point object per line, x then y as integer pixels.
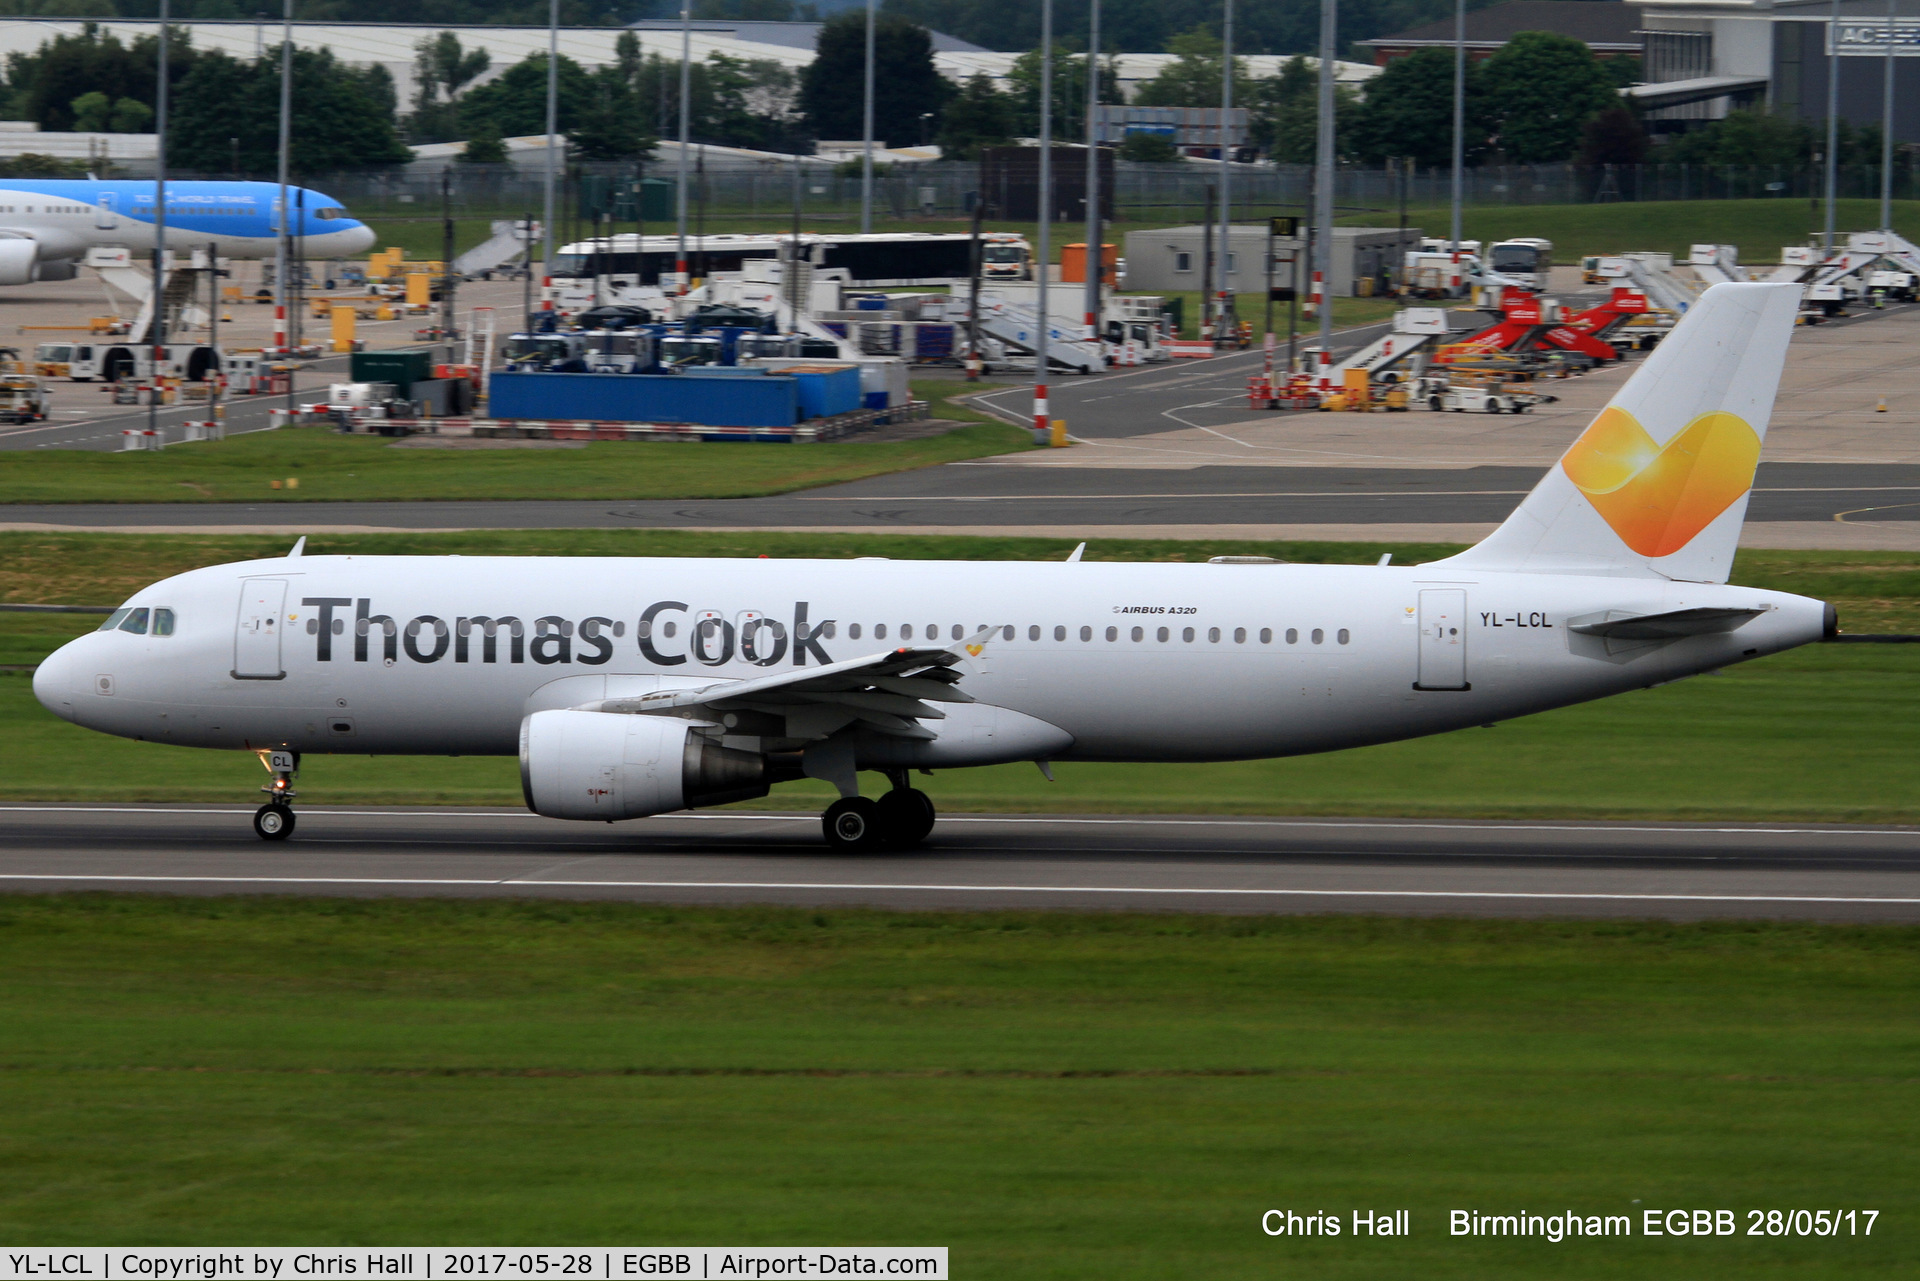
{"type": "Point", "coordinates": [17, 259]}
{"type": "Point", "coordinates": [608, 765]}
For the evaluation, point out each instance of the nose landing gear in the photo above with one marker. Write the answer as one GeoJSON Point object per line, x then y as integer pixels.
{"type": "Point", "coordinates": [899, 820]}
{"type": "Point", "coordinates": [274, 820]}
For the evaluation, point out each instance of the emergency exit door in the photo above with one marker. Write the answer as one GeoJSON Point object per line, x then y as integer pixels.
{"type": "Point", "coordinates": [1443, 639]}
{"type": "Point", "coordinates": [256, 639]}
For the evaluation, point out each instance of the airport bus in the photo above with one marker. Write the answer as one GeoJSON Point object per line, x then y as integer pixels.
{"type": "Point", "coordinates": [882, 259]}
{"type": "Point", "coordinates": [1527, 259]}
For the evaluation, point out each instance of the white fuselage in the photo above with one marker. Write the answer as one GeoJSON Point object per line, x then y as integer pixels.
{"type": "Point", "coordinates": [1138, 662]}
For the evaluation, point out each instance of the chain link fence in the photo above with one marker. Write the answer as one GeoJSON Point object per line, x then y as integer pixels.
{"type": "Point", "coordinates": [1163, 193]}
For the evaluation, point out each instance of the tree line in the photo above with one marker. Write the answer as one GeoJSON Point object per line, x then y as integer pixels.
{"type": "Point", "coordinates": [1541, 99]}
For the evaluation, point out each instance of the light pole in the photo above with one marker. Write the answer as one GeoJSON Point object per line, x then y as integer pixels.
{"type": "Point", "coordinates": [1042, 422]}
{"type": "Point", "coordinates": [553, 128]}
{"type": "Point", "coordinates": [686, 95]}
{"type": "Point", "coordinates": [1459, 119]}
{"type": "Point", "coordinates": [1223, 304]}
{"type": "Point", "coordinates": [1095, 260]}
{"type": "Point", "coordinates": [157, 328]}
{"type": "Point", "coordinates": [1833, 115]}
{"type": "Point", "coordinates": [1323, 197]}
{"type": "Point", "coordinates": [866, 135]}
{"type": "Point", "coordinates": [282, 255]}
{"type": "Point", "coordinates": [1886, 129]}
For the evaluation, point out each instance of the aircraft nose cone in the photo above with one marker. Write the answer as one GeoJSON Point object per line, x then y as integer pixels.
{"type": "Point", "coordinates": [53, 682]}
{"type": "Point", "coordinates": [358, 238]}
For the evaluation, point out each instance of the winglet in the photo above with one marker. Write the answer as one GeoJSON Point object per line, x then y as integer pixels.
{"type": "Point", "coordinates": [972, 645]}
{"type": "Point", "coordinates": [298, 547]}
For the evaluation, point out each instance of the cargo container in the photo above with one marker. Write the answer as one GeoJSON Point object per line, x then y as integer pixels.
{"type": "Point", "coordinates": [738, 400]}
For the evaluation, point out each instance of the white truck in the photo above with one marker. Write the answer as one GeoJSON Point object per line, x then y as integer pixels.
{"type": "Point", "coordinates": [1472, 398]}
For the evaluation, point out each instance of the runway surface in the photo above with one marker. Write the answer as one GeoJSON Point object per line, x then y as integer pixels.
{"type": "Point", "coordinates": [1197, 864]}
{"type": "Point", "coordinates": [960, 496]}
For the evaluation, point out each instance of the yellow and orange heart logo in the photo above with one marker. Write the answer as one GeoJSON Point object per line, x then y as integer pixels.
{"type": "Point", "coordinates": [975, 649]}
{"type": "Point", "coordinates": [1657, 497]}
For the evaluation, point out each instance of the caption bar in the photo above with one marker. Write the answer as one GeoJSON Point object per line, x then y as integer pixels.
{"type": "Point", "coordinates": [420, 1263]}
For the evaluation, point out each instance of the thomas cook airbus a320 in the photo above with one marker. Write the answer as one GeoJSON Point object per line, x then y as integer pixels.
{"type": "Point", "coordinates": [631, 687]}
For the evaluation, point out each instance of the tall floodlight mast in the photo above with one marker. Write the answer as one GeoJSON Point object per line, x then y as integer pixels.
{"type": "Point", "coordinates": [1323, 193]}
{"type": "Point", "coordinates": [1886, 127]}
{"type": "Point", "coordinates": [1042, 422]}
{"type": "Point", "coordinates": [866, 134]}
{"type": "Point", "coordinates": [1833, 115]}
{"type": "Point", "coordinates": [1459, 120]}
{"type": "Point", "coordinates": [157, 328]}
{"type": "Point", "coordinates": [553, 127]}
{"type": "Point", "coordinates": [1222, 305]}
{"type": "Point", "coordinates": [282, 255]}
{"type": "Point", "coordinates": [686, 95]}
{"type": "Point", "coordinates": [1096, 262]}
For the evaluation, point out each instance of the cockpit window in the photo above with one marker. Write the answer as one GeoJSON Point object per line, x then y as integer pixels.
{"type": "Point", "coordinates": [330, 213]}
{"type": "Point", "coordinates": [163, 622]}
{"type": "Point", "coordinates": [114, 620]}
{"type": "Point", "coordinates": [135, 622]}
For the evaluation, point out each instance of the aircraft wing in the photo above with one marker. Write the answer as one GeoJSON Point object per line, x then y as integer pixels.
{"type": "Point", "coordinates": [892, 692]}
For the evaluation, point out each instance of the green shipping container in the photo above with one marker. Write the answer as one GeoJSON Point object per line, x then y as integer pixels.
{"type": "Point", "coordinates": [401, 368]}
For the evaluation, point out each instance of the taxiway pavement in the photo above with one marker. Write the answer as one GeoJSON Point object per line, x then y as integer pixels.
{"type": "Point", "coordinates": [1199, 864]}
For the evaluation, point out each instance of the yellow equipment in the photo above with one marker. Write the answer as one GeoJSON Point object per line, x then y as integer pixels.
{"type": "Point", "coordinates": [343, 318]}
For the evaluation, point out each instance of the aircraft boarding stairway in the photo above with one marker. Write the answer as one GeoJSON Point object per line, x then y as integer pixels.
{"type": "Point", "coordinates": [1017, 325]}
{"type": "Point", "coordinates": [1717, 264]}
{"type": "Point", "coordinates": [1415, 329]}
{"type": "Point", "coordinates": [1652, 275]}
{"type": "Point", "coordinates": [511, 238]}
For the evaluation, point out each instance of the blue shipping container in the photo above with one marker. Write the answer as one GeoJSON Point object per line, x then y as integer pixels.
{"type": "Point", "coordinates": [765, 401]}
{"type": "Point", "coordinates": [825, 392]}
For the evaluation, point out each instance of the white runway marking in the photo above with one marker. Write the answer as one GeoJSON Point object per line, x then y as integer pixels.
{"type": "Point", "coordinates": [1438, 825]}
{"type": "Point", "coordinates": [963, 889]}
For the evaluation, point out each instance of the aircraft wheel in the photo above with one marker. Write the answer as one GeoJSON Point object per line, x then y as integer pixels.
{"type": "Point", "coordinates": [852, 825]}
{"type": "Point", "coordinates": [273, 822]}
{"type": "Point", "coordinates": [906, 816]}
{"type": "Point", "coordinates": [1433, 403]}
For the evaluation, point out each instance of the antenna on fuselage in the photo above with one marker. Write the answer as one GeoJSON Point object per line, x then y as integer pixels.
{"type": "Point", "coordinates": [298, 547]}
{"type": "Point", "coordinates": [1075, 553]}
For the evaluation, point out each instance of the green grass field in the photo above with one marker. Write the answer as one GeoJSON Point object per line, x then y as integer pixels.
{"type": "Point", "coordinates": [1050, 1095]}
{"type": "Point", "coordinates": [333, 467]}
{"type": "Point", "coordinates": [1824, 732]}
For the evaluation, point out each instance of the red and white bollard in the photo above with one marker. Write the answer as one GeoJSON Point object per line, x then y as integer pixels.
{"type": "Point", "coordinates": [1042, 423]}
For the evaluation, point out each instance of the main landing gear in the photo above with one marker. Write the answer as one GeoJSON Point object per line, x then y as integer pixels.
{"type": "Point", "coordinates": [899, 820]}
{"type": "Point", "coordinates": [274, 820]}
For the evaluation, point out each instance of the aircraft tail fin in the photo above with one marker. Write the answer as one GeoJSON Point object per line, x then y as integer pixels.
{"type": "Point", "coordinates": [1657, 485]}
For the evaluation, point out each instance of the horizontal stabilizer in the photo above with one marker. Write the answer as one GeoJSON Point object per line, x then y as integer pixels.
{"type": "Point", "coordinates": [1671, 625]}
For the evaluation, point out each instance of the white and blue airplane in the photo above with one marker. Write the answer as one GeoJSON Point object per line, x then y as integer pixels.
{"type": "Point", "coordinates": [635, 686]}
{"type": "Point", "coordinates": [47, 225]}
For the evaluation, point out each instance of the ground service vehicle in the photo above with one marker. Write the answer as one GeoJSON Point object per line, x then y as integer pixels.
{"type": "Point", "coordinates": [636, 686]}
{"type": "Point", "coordinates": [1527, 259]}
{"type": "Point", "coordinates": [22, 399]}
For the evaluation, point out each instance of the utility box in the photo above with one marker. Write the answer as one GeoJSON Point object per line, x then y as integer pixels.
{"type": "Point", "coordinates": [401, 368]}
{"type": "Point", "coordinates": [1073, 264]}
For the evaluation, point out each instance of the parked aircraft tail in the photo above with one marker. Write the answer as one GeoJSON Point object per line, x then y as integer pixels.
{"type": "Point", "coordinates": [1657, 485]}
